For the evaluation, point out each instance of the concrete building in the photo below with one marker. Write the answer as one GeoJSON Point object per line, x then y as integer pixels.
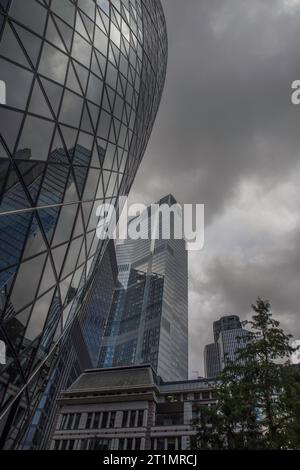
{"type": "Point", "coordinates": [129, 408]}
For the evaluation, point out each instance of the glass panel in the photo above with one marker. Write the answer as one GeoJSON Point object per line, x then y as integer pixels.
{"type": "Point", "coordinates": [38, 317]}
{"type": "Point", "coordinates": [27, 282]}
{"type": "Point", "coordinates": [53, 63]}
{"type": "Point", "coordinates": [36, 136]}
{"type": "Point", "coordinates": [72, 257]}
{"type": "Point", "coordinates": [65, 224]}
{"type": "Point", "coordinates": [81, 50]}
{"type": "Point", "coordinates": [33, 16]}
{"type": "Point", "coordinates": [71, 109]}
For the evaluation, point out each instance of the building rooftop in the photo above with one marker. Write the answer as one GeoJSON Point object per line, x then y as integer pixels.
{"type": "Point", "coordinates": [130, 377]}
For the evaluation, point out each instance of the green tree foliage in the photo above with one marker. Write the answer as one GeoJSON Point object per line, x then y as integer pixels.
{"type": "Point", "coordinates": [258, 394]}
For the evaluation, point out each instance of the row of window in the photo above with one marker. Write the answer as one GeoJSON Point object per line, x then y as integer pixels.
{"type": "Point", "coordinates": [206, 395]}
{"type": "Point", "coordinates": [102, 420]}
{"type": "Point", "coordinates": [97, 444]}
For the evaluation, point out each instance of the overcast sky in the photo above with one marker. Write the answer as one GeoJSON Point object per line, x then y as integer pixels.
{"type": "Point", "coordinates": [228, 136]}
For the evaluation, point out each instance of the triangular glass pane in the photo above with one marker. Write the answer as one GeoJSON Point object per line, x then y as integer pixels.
{"type": "Point", "coordinates": [48, 218]}
{"type": "Point", "coordinates": [94, 112]}
{"type": "Point", "coordinates": [83, 151]}
{"type": "Point", "coordinates": [32, 175]}
{"type": "Point", "coordinates": [86, 209]}
{"type": "Point", "coordinates": [53, 36]}
{"type": "Point", "coordinates": [91, 184]}
{"type": "Point", "coordinates": [35, 241]}
{"type": "Point", "coordinates": [82, 75]}
{"type": "Point", "coordinates": [10, 125]}
{"type": "Point", "coordinates": [101, 61]}
{"type": "Point", "coordinates": [58, 255]}
{"type": "Point", "coordinates": [53, 92]}
{"type": "Point", "coordinates": [71, 194]}
{"type": "Point", "coordinates": [14, 196]}
{"type": "Point", "coordinates": [3, 164]}
{"type": "Point", "coordinates": [9, 47]}
{"type": "Point", "coordinates": [80, 27]}
{"type": "Point", "coordinates": [95, 158]}
{"type": "Point", "coordinates": [79, 228]}
{"type": "Point", "coordinates": [86, 124]}
{"type": "Point", "coordinates": [89, 25]}
{"type": "Point", "coordinates": [38, 317]}
{"type": "Point", "coordinates": [65, 289]}
{"type": "Point", "coordinates": [31, 43]}
{"type": "Point", "coordinates": [58, 153]}
{"type": "Point", "coordinates": [72, 81]}
{"type": "Point", "coordinates": [80, 173]}
{"type": "Point", "coordinates": [65, 224]}
{"type": "Point", "coordinates": [65, 31]}
{"type": "Point", "coordinates": [48, 279]}
{"type": "Point", "coordinates": [38, 104]}
{"type": "Point", "coordinates": [95, 68]}
{"type": "Point", "coordinates": [69, 137]}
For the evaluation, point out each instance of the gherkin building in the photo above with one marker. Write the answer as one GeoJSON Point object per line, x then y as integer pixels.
{"type": "Point", "coordinates": [83, 81]}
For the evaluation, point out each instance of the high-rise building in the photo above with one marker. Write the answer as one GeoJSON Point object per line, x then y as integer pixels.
{"type": "Point", "coordinates": [148, 322]}
{"type": "Point", "coordinates": [229, 337]}
{"type": "Point", "coordinates": [83, 85]}
{"type": "Point", "coordinates": [211, 360]}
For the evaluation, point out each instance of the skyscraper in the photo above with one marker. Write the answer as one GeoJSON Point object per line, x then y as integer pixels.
{"type": "Point", "coordinates": [83, 82]}
{"type": "Point", "coordinates": [148, 322]}
{"type": "Point", "coordinates": [229, 336]}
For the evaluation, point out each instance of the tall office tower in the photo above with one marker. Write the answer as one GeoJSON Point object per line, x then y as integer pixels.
{"type": "Point", "coordinates": [211, 360]}
{"type": "Point", "coordinates": [148, 322]}
{"type": "Point", "coordinates": [229, 336]}
{"type": "Point", "coordinates": [83, 81]}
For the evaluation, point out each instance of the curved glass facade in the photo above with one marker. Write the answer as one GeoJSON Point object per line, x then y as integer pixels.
{"type": "Point", "coordinates": [83, 84]}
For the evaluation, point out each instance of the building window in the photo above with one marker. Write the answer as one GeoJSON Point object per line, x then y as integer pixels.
{"type": "Point", "coordinates": [205, 395]}
{"type": "Point", "coordinates": [112, 419]}
{"type": "Point", "coordinates": [197, 396]}
{"type": "Point", "coordinates": [140, 418]}
{"type": "Point", "coordinates": [63, 421]}
{"type": "Point", "coordinates": [64, 445]}
{"type": "Point", "coordinates": [129, 443]}
{"type": "Point", "coordinates": [171, 443]}
{"type": "Point", "coordinates": [96, 421]}
{"type": "Point", "coordinates": [138, 443]}
{"type": "Point", "coordinates": [160, 444]}
{"type": "Point", "coordinates": [77, 421]}
{"type": "Point", "coordinates": [56, 445]}
{"type": "Point", "coordinates": [121, 445]}
{"type": "Point", "coordinates": [89, 421]}
{"type": "Point", "coordinates": [101, 444]}
{"type": "Point", "coordinates": [132, 419]}
{"type": "Point", "coordinates": [104, 420]}
{"type": "Point", "coordinates": [124, 419]}
{"type": "Point", "coordinates": [172, 398]}
{"type": "Point", "coordinates": [70, 421]}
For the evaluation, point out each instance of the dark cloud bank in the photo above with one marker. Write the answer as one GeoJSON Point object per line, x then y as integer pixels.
{"type": "Point", "coordinates": [228, 136]}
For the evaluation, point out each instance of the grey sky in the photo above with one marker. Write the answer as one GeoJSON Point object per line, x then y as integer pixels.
{"type": "Point", "coordinates": [228, 136]}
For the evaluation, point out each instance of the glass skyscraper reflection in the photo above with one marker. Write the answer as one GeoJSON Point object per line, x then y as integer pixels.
{"type": "Point", "coordinates": [148, 321]}
{"type": "Point", "coordinates": [84, 80]}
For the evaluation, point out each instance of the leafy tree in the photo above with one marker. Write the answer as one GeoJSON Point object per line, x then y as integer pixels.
{"type": "Point", "coordinates": [258, 395]}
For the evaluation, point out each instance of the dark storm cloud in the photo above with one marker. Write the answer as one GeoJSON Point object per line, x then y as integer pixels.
{"type": "Point", "coordinates": [226, 118]}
